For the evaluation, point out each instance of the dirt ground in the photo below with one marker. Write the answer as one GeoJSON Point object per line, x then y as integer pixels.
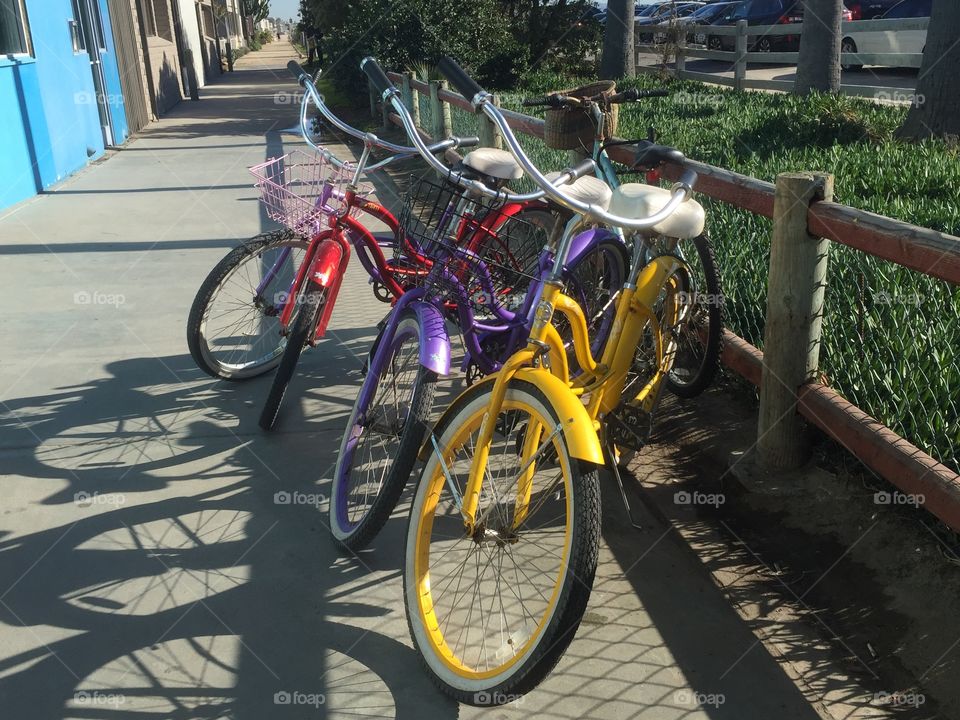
{"type": "Point", "coordinates": [874, 585]}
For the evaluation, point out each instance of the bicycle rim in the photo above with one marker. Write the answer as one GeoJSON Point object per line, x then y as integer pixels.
{"type": "Point", "coordinates": [484, 603]}
{"type": "Point", "coordinates": [240, 330]}
{"type": "Point", "coordinates": [372, 438]}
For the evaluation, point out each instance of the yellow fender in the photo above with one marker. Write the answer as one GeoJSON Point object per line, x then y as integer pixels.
{"type": "Point", "coordinates": [579, 429]}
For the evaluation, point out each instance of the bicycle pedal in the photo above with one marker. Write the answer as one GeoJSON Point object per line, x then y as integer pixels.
{"type": "Point", "coordinates": [629, 426]}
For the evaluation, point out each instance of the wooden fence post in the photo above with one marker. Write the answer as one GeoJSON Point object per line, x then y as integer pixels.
{"type": "Point", "coordinates": [740, 69]}
{"type": "Point", "coordinates": [411, 98]}
{"type": "Point", "coordinates": [791, 342]}
{"type": "Point", "coordinates": [440, 111]}
{"type": "Point", "coordinates": [489, 137]}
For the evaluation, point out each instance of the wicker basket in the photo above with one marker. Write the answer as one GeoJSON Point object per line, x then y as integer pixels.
{"type": "Point", "coordinates": [573, 128]}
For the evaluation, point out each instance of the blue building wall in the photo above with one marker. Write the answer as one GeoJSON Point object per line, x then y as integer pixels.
{"type": "Point", "coordinates": [49, 121]}
{"type": "Point", "coordinates": [118, 114]}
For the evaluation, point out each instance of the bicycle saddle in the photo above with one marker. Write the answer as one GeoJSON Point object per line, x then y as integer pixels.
{"type": "Point", "coordinates": [651, 155]}
{"type": "Point", "coordinates": [587, 189]}
{"type": "Point", "coordinates": [493, 163]}
{"type": "Point", "coordinates": [635, 200]}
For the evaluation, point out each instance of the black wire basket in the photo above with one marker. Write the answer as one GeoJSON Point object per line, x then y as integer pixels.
{"type": "Point", "coordinates": [472, 239]}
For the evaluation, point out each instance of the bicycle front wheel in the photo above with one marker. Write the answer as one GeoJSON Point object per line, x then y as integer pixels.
{"type": "Point", "coordinates": [233, 330]}
{"type": "Point", "coordinates": [383, 435]}
{"type": "Point", "coordinates": [311, 302]}
{"type": "Point", "coordinates": [491, 612]}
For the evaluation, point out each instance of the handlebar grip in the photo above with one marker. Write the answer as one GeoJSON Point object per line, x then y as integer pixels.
{"type": "Point", "coordinates": [458, 77]}
{"type": "Point", "coordinates": [587, 167]}
{"type": "Point", "coordinates": [470, 141]}
{"type": "Point", "coordinates": [659, 92]}
{"type": "Point", "coordinates": [298, 72]}
{"type": "Point", "coordinates": [688, 177]}
{"type": "Point", "coordinates": [378, 78]}
{"type": "Point", "coordinates": [535, 102]}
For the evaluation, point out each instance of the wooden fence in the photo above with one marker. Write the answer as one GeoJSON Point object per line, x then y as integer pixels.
{"type": "Point", "coordinates": [804, 220]}
{"type": "Point", "coordinates": [744, 53]}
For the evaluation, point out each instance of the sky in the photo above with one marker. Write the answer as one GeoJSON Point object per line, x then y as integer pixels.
{"type": "Point", "coordinates": [284, 9]}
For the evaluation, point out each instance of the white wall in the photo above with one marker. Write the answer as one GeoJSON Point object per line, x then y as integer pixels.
{"type": "Point", "coordinates": [191, 33]}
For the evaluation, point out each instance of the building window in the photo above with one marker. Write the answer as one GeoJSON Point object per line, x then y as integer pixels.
{"type": "Point", "coordinates": [14, 28]}
{"type": "Point", "coordinates": [76, 29]}
{"type": "Point", "coordinates": [157, 19]}
{"type": "Point", "coordinates": [209, 25]}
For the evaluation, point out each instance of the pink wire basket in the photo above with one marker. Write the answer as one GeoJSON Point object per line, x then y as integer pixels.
{"type": "Point", "coordinates": [299, 187]}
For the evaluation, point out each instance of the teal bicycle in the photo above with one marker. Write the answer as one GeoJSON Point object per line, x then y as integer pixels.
{"type": "Point", "coordinates": [578, 120]}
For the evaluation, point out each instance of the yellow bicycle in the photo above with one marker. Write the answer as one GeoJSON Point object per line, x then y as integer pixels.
{"type": "Point", "coordinates": [504, 529]}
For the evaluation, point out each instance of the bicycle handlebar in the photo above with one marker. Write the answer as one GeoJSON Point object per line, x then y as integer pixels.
{"type": "Point", "coordinates": [458, 77]}
{"type": "Point", "coordinates": [377, 76]}
{"type": "Point", "coordinates": [682, 189]}
{"type": "Point", "coordinates": [305, 81]}
{"type": "Point", "coordinates": [555, 100]}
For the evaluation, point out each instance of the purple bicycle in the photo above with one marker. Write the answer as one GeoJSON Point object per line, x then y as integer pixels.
{"type": "Point", "coordinates": [485, 294]}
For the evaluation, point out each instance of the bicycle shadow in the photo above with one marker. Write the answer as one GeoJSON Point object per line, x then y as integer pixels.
{"type": "Point", "coordinates": [194, 579]}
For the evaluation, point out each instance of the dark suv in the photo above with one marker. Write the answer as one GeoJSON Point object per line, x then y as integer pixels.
{"type": "Point", "coordinates": [869, 9]}
{"type": "Point", "coordinates": [763, 12]}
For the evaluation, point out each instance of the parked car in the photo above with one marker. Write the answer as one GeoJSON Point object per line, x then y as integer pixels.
{"type": "Point", "coordinates": [888, 41]}
{"type": "Point", "coordinates": [762, 12]}
{"type": "Point", "coordinates": [709, 15]}
{"type": "Point", "coordinates": [868, 9]}
{"type": "Point", "coordinates": [660, 20]}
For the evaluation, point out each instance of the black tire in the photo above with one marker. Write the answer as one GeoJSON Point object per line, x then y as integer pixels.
{"type": "Point", "coordinates": [596, 295]}
{"type": "Point", "coordinates": [421, 391]}
{"type": "Point", "coordinates": [311, 302]}
{"type": "Point", "coordinates": [693, 372]}
{"type": "Point", "coordinates": [847, 45]}
{"type": "Point", "coordinates": [764, 45]}
{"type": "Point", "coordinates": [201, 346]}
{"type": "Point", "coordinates": [573, 592]}
{"type": "Point", "coordinates": [714, 43]}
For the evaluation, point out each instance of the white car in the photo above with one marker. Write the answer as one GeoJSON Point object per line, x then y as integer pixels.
{"type": "Point", "coordinates": [869, 42]}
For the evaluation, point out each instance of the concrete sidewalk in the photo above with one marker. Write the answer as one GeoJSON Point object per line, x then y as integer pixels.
{"type": "Point", "coordinates": [147, 566]}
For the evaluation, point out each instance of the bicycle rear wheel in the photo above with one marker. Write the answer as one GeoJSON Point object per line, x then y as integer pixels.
{"type": "Point", "coordinates": [233, 329]}
{"type": "Point", "coordinates": [491, 613]}
{"type": "Point", "coordinates": [383, 435]}
{"type": "Point", "coordinates": [310, 302]}
{"type": "Point", "coordinates": [699, 336]}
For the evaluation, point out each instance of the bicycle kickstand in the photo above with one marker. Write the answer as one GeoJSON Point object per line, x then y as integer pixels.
{"type": "Point", "coordinates": [623, 493]}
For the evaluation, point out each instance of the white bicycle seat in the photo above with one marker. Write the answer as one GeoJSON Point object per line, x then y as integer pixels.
{"type": "Point", "coordinates": [493, 163]}
{"type": "Point", "coordinates": [586, 189]}
{"type": "Point", "coordinates": [637, 201]}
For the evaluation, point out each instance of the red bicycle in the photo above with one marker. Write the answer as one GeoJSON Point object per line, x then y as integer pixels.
{"type": "Point", "coordinates": [273, 295]}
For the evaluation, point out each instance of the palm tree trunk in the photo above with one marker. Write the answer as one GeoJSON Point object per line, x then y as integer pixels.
{"type": "Point", "coordinates": [936, 108]}
{"type": "Point", "coordinates": [818, 66]}
{"type": "Point", "coordinates": [618, 60]}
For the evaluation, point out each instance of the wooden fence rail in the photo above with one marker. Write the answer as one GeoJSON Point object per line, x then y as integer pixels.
{"type": "Point", "coordinates": [927, 251]}
{"type": "Point", "coordinates": [742, 55]}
